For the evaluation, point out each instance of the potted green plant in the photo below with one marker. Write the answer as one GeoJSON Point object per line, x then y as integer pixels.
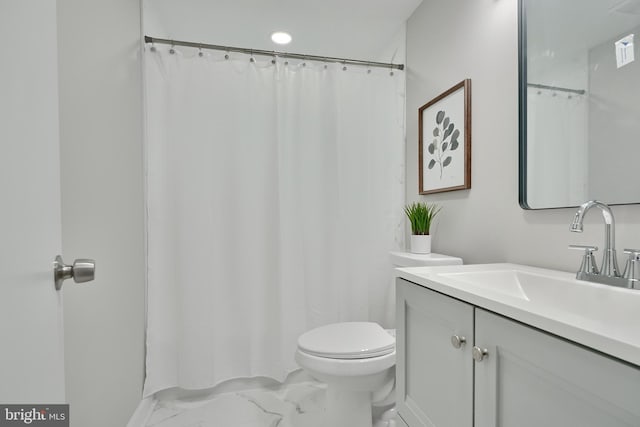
{"type": "Point", "coordinates": [421, 215]}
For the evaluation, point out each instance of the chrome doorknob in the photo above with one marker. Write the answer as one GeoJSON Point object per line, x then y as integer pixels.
{"type": "Point", "coordinates": [479, 353]}
{"type": "Point", "coordinates": [82, 270]}
{"type": "Point", "coordinates": [458, 341]}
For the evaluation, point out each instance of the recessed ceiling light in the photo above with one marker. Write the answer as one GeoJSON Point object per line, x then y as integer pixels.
{"type": "Point", "coordinates": [280, 37]}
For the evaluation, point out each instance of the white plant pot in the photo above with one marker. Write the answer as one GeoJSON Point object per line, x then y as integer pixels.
{"type": "Point", "coordinates": [420, 244]}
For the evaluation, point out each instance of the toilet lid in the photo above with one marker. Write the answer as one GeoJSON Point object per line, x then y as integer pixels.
{"type": "Point", "coordinates": [350, 340]}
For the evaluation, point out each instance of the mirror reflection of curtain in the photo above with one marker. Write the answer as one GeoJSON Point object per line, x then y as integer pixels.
{"type": "Point", "coordinates": [274, 195]}
{"type": "Point", "coordinates": [557, 149]}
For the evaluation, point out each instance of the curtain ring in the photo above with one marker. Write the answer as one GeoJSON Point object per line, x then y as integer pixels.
{"type": "Point", "coordinates": [391, 68]}
{"type": "Point", "coordinates": [172, 50]}
{"type": "Point", "coordinates": [344, 66]}
{"type": "Point", "coordinates": [368, 67]}
{"type": "Point", "coordinates": [200, 53]}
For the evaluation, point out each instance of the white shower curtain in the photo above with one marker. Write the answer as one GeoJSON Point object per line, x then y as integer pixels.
{"type": "Point", "coordinates": [274, 195]}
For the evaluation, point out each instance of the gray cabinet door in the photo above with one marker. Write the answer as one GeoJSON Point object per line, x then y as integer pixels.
{"type": "Point", "coordinates": [434, 379]}
{"type": "Point", "coordinates": [533, 379]}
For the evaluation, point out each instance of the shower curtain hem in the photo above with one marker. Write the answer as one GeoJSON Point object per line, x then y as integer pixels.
{"type": "Point", "coordinates": [281, 379]}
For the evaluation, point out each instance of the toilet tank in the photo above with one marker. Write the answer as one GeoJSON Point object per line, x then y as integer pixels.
{"type": "Point", "coordinates": [407, 259]}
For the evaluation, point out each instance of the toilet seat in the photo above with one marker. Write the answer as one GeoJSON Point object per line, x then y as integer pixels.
{"type": "Point", "coordinates": [347, 340]}
{"type": "Point", "coordinates": [319, 366]}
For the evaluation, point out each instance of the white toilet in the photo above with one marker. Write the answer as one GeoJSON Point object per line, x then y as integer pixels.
{"type": "Point", "coordinates": [356, 359]}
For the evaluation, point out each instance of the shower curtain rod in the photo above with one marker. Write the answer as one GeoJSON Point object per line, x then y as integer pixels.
{"type": "Point", "coordinates": [148, 39]}
{"type": "Point", "coordinates": [559, 89]}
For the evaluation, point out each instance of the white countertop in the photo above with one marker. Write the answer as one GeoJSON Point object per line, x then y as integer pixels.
{"type": "Point", "coordinates": [602, 317]}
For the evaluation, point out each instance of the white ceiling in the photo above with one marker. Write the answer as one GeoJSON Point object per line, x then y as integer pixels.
{"type": "Point", "coordinates": [560, 35]}
{"type": "Point", "coordinates": [572, 27]}
{"type": "Point", "coordinates": [343, 28]}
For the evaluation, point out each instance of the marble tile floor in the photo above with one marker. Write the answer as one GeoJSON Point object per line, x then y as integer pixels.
{"type": "Point", "coordinates": [292, 405]}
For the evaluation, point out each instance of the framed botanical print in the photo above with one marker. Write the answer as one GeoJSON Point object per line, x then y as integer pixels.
{"type": "Point", "coordinates": [444, 144]}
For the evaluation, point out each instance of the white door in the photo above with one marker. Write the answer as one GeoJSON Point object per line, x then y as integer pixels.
{"type": "Point", "coordinates": [31, 340]}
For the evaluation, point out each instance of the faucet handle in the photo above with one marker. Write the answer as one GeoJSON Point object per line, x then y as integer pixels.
{"type": "Point", "coordinates": [586, 248]}
{"type": "Point", "coordinates": [588, 264]}
{"type": "Point", "coordinates": [632, 268]}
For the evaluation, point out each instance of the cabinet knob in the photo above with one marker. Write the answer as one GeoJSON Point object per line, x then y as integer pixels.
{"type": "Point", "coordinates": [479, 353]}
{"type": "Point", "coordinates": [457, 341]}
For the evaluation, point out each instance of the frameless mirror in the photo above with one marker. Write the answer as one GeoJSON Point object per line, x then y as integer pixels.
{"type": "Point", "coordinates": [579, 102]}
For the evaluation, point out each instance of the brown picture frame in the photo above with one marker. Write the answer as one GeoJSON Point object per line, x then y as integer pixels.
{"type": "Point", "coordinates": [444, 152]}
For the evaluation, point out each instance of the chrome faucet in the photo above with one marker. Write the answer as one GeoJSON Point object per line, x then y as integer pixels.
{"type": "Point", "coordinates": [609, 266]}
{"type": "Point", "coordinates": [609, 272]}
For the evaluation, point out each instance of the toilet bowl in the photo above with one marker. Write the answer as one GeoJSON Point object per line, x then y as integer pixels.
{"type": "Point", "coordinates": [357, 359]}
{"type": "Point", "coordinates": [354, 359]}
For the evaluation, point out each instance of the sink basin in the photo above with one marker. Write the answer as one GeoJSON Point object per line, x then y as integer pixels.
{"type": "Point", "coordinates": [508, 282]}
{"type": "Point", "coordinates": [554, 290]}
{"type": "Point", "coordinates": [600, 316]}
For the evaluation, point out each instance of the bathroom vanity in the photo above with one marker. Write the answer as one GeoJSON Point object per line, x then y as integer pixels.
{"type": "Point", "coordinates": [509, 345]}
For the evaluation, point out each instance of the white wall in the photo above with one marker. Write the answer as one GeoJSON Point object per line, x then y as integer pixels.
{"type": "Point", "coordinates": [448, 41]}
{"type": "Point", "coordinates": [102, 206]}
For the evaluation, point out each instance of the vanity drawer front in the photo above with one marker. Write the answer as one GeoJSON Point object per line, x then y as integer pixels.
{"type": "Point", "coordinates": [530, 378]}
